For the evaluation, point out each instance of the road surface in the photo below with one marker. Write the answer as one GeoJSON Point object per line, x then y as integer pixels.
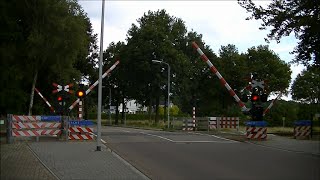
{"type": "Point", "coordinates": [189, 155]}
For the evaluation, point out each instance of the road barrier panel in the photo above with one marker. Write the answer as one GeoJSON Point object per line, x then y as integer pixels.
{"type": "Point", "coordinates": [256, 130]}
{"type": "Point", "coordinates": [302, 129]}
{"type": "Point", "coordinates": [79, 130]}
{"type": "Point", "coordinates": [188, 125]}
{"type": "Point", "coordinates": [223, 122]}
{"type": "Point", "coordinates": [33, 126]}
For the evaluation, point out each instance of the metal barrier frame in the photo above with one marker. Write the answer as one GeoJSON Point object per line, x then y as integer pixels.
{"type": "Point", "coordinates": [37, 132]}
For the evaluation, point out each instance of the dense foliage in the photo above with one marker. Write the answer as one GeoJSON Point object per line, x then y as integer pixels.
{"type": "Point", "coordinates": [42, 42]}
{"type": "Point", "coordinates": [300, 17]}
{"type": "Point", "coordinates": [38, 51]}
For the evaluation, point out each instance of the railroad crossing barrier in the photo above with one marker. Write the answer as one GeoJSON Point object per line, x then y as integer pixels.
{"type": "Point", "coordinates": [223, 122]}
{"type": "Point", "coordinates": [76, 131]}
{"type": "Point", "coordinates": [188, 125]}
{"type": "Point", "coordinates": [33, 126]}
{"type": "Point", "coordinates": [201, 123]}
{"type": "Point", "coordinates": [256, 130]}
{"type": "Point", "coordinates": [302, 128]}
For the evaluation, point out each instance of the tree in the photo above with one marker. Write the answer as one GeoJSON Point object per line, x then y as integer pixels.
{"type": "Point", "coordinates": [157, 37]}
{"type": "Point", "coordinates": [268, 66]}
{"type": "Point", "coordinates": [41, 41]}
{"type": "Point", "coordinates": [298, 16]}
{"type": "Point", "coordinates": [306, 86]}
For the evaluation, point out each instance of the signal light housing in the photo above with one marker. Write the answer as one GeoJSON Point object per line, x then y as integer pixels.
{"type": "Point", "coordinates": [264, 97]}
{"type": "Point", "coordinates": [80, 93]}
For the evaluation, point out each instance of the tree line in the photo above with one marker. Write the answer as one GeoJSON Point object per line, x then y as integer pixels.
{"type": "Point", "coordinates": [53, 41]}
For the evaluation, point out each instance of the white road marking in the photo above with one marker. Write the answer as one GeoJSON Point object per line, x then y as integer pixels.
{"type": "Point", "coordinates": [125, 131]}
{"type": "Point", "coordinates": [203, 142]}
{"type": "Point", "coordinates": [157, 136]}
{"type": "Point", "coordinates": [214, 136]}
{"type": "Point", "coordinates": [161, 137]}
{"type": "Point", "coordinates": [96, 136]}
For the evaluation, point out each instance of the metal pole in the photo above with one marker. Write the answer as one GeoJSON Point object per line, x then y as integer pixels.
{"type": "Point", "coordinates": [110, 106]}
{"type": "Point", "coordinates": [100, 81]}
{"type": "Point", "coordinates": [168, 107]}
{"type": "Point", "coordinates": [168, 101]}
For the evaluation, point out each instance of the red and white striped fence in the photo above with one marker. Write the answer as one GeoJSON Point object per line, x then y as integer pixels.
{"type": "Point", "coordinates": [29, 126]}
{"type": "Point", "coordinates": [80, 133]}
{"type": "Point", "coordinates": [302, 131]}
{"type": "Point", "coordinates": [224, 122]}
{"type": "Point", "coordinates": [257, 133]}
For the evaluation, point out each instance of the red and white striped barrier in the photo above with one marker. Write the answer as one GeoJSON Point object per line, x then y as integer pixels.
{"type": "Point", "coordinates": [80, 133]}
{"type": "Point", "coordinates": [29, 133]}
{"type": "Point", "coordinates": [258, 133]}
{"type": "Point", "coordinates": [23, 118]}
{"type": "Point", "coordinates": [29, 126]}
{"type": "Point", "coordinates": [271, 104]}
{"type": "Point", "coordinates": [80, 110]}
{"type": "Point", "coordinates": [35, 125]}
{"type": "Point", "coordinates": [222, 80]}
{"type": "Point", "coordinates": [45, 100]}
{"type": "Point", "coordinates": [224, 122]}
{"type": "Point", "coordinates": [94, 84]}
{"type": "Point", "coordinates": [81, 137]}
{"type": "Point", "coordinates": [302, 131]}
{"type": "Point", "coordinates": [80, 130]}
{"type": "Point", "coordinates": [194, 115]}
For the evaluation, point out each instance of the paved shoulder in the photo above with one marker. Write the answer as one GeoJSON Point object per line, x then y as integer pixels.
{"type": "Point", "coordinates": [290, 144]}
{"type": "Point", "coordinates": [79, 160]}
{"type": "Point", "coordinates": [18, 162]}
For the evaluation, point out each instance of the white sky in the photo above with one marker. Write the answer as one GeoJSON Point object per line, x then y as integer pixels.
{"type": "Point", "coordinates": [220, 23]}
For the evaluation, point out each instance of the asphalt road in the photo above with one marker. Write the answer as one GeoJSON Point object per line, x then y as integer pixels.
{"type": "Point", "coordinates": [183, 155]}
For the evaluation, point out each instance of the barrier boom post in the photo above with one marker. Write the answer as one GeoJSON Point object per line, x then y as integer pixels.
{"type": "Point", "coordinates": [271, 104]}
{"type": "Point", "coordinates": [45, 100]}
{"type": "Point", "coordinates": [95, 84]}
{"type": "Point", "coordinates": [222, 80]}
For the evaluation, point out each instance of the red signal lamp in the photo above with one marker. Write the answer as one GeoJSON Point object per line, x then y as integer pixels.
{"type": "Point", "coordinates": [59, 98]}
{"type": "Point", "coordinates": [254, 98]}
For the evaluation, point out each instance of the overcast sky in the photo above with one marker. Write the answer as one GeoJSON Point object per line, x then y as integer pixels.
{"type": "Point", "coordinates": [220, 23]}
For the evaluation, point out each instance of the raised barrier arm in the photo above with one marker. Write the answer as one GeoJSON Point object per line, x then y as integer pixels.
{"type": "Point", "coordinates": [95, 84]}
{"type": "Point", "coordinates": [271, 104]}
{"type": "Point", "coordinates": [45, 100]}
{"type": "Point", "coordinates": [222, 80]}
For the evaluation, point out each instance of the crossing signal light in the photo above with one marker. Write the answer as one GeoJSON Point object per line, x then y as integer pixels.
{"type": "Point", "coordinates": [264, 97]}
{"type": "Point", "coordinates": [80, 93]}
{"type": "Point", "coordinates": [244, 98]}
{"type": "Point", "coordinates": [59, 98]}
{"type": "Point", "coordinates": [254, 97]}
